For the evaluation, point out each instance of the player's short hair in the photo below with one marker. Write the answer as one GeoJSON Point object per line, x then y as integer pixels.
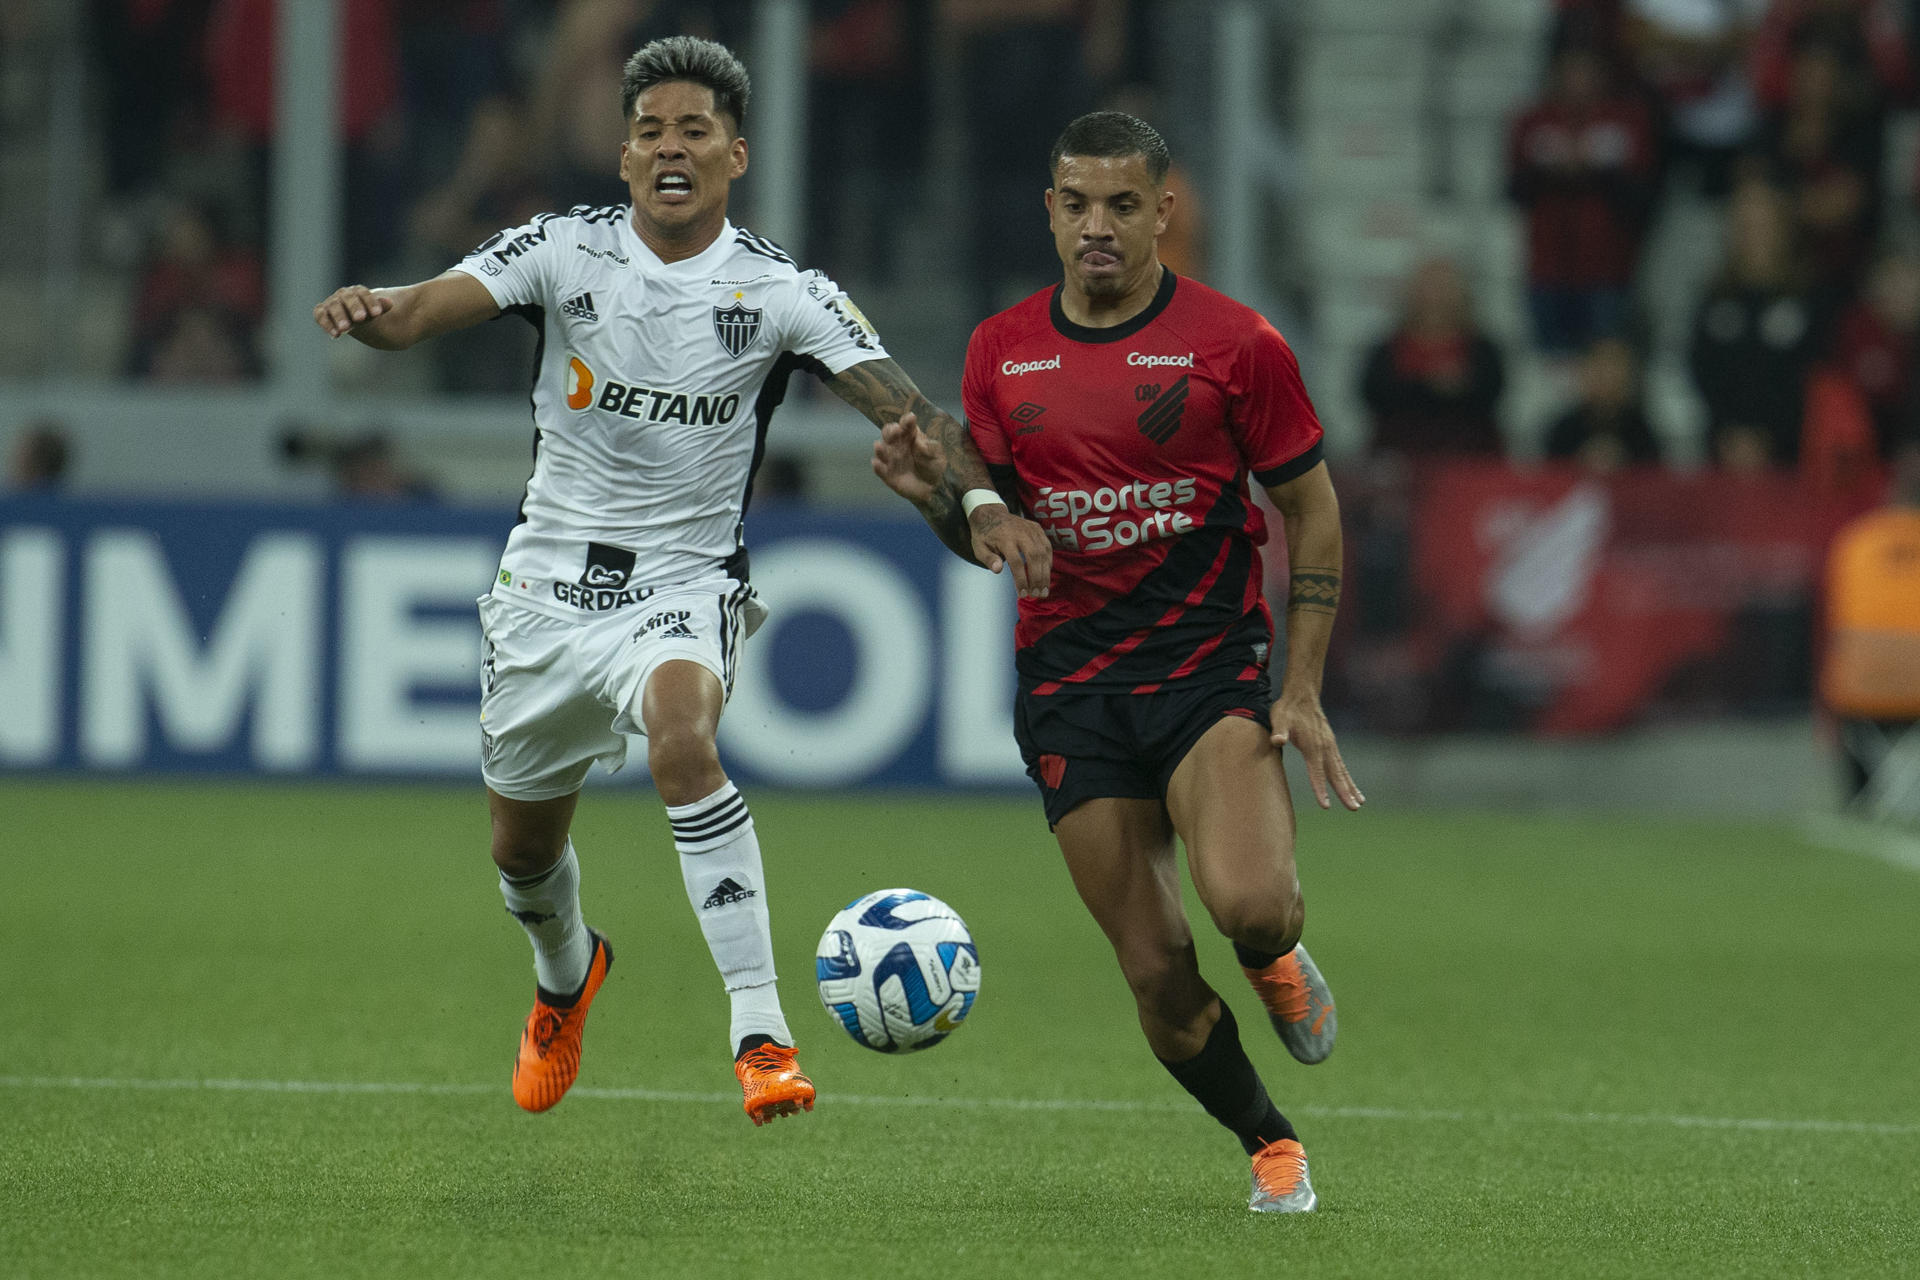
{"type": "Point", "coordinates": [1113, 134]}
{"type": "Point", "coordinates": [702, 62]}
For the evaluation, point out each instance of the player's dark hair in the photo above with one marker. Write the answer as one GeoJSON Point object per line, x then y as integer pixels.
{"type": "Point", "coordinates": [702, 62]}
{"type": "Point", "coordinates": [1113, 134]}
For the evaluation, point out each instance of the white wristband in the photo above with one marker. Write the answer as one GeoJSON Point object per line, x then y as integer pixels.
{"type": "Point", "coordinates": [979, 498]}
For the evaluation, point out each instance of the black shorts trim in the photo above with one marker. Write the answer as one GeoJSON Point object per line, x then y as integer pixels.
{"type": "Point", "coordinates": [1080, 746]}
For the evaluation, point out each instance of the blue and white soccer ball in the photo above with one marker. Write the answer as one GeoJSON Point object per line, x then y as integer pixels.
{"type": "Point", "coordinates": [898, 970]}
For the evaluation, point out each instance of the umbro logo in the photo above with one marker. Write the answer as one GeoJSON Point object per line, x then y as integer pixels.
{"type": "Point", "coordinates": [727, 891]}
{"type": "Point", "coordinates": [580, 308]}
{"type": "Point", "coordinates": [1027, 415]}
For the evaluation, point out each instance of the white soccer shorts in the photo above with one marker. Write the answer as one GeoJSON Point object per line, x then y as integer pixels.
{"type": "Point", "coordinates": [556, 696]}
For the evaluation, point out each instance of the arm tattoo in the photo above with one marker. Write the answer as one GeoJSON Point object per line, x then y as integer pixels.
{"type": "Point", "coordinates": [883, 393]}
{"type": "Point", "coordinates": [1315, 590]}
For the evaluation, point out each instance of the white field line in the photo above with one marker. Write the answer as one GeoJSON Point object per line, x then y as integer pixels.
{"type": "Point", "coordinates": [1852, 835]}
{"type": "Point", "coordinates": [1414, 1114]}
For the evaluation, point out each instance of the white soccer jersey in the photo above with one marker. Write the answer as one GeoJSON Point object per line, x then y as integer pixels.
{"type": "Point", "coordinates": [655, 385]}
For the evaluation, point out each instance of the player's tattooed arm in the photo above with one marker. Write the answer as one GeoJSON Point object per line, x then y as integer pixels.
{"type": "Point", "coordinates": [1311, 512]}
{"type": "Point", "coordinates": [926, 455]}
{"type": "Point", "coordinates": [1315, 589]}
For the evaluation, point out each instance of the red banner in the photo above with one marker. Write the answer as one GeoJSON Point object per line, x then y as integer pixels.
{"type": "Point", "coordinates": [1560, 601]}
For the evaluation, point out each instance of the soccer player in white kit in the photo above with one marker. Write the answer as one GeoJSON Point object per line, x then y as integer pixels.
{"type": "Point", "coordinates": [667, 338]}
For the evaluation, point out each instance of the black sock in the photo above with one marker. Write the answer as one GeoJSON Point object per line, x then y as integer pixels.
{"type": "Point", "coordinates": [1256, 960]}
{"type": "Point", "coordinates": [750, 1043]}
{"type": "Point", "coordinates": [1222, 1079]}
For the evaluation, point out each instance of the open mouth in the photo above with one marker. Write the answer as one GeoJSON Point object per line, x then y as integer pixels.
{"type": "Point", "coordinates": [673, 186]}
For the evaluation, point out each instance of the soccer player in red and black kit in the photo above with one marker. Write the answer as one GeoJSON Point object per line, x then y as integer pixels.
{"type": "Point", "coordinates": [1123, 410]}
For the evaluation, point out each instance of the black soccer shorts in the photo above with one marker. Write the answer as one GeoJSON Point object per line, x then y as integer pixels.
{"type": "Point", "coordinates": [1081, 746]}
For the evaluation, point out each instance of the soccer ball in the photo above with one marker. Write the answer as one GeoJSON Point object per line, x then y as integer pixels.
{"type": "Point", "coordinates": [898, 970]}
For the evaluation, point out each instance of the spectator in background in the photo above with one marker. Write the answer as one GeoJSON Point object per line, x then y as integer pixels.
{"type": "Point", "coordinates": [1755, 335]}
{"type": "Point", "coordinates": [1606, 428]}
{"type": "Point", "coordinates": [1599, 25]}
{"type": "Point", "coordinates": [363, 468]}
{"type": "Point", "coordinates": [196, 270]}
{"type": "Point", "coordinates": [1876, 345]}
{"type": "Point", "coordinates": [1432, 385]}
{"type": "Point", "coordinates": [1692, 55]}
{"type": "Point", "coordinates": [454, 55]}
{"type": "Point", "coordinates": [496, 183]}
{"type": "Point", "coordinates": [1581, 163]}
{"type": "Point", "coordinates": [1027, 67]}
{"type": "Point", "coordinates": [204, 347]}
{"type": "Point", "coordinates": [867, 124]}
{"type": "Point", "coordinates": [240, 56]}
{"type": "Point", "coordinates": [1871, 37]}
{"type": "Point", "coordinates": [39, 458]}
{"type": "Point", "coordinates": [368, 470]}
{"type": "Point", "coordinates": [153, 83]}
{"type": "Point", "coordinates": [1823, 147]}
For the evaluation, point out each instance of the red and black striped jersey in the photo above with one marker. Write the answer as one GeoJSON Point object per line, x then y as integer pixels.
{"type": "Point", "coordinates": [1131, 446]}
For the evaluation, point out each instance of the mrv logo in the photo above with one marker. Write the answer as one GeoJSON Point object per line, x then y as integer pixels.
{"type": "Point", "coordinates": [668, 622]}
{"type": "Point", "coordinates": [694, 409]}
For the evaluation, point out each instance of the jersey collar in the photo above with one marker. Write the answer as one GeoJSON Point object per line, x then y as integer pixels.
{"type": "Point", "coordinates": [1126, 328]}
{"type": "Point", "coordinates": [696, 265]}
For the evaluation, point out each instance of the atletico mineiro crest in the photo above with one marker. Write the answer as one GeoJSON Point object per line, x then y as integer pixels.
{"type": "Point", "coordinates": [737, 327]}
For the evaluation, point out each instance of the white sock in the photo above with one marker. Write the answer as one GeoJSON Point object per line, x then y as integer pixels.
{"type": "Point", "coordinates": [548, 905]}
{"type": "Point", "coordinates": [720, 862]}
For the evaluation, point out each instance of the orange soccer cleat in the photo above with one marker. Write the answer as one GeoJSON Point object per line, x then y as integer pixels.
{"type": "Point", "coordinates": [773, 1083]}
{"type": "Point", "coordinates": [1298, 1004]}
{"type": "Point", "coordinates": [550, 1045]}
{"type": "Point", "coordinates": [1280, 1182]}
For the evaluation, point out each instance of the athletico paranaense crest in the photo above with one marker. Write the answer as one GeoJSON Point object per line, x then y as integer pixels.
{"type": "Point", "coordinates": [737, 326]}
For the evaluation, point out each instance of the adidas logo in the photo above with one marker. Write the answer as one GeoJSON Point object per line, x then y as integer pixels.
{"type": "Point", "coordinates": [679, 632]}
{"type": "Point", "coordinates": [725, 892]}
{"type": "Point", "coordinates": [580, 308]}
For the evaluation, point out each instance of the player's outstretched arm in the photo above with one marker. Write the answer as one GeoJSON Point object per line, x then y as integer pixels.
{"type": "Point", "coordinates": [1311, 511]}
{"type": "Point", "coordinates": [395, 319]}
{"type": "Point", "coordinates": [926, 456]}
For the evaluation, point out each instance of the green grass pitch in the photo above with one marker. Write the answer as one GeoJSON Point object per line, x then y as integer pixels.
{"type": "Point", "coordinates": [1569, 1047]}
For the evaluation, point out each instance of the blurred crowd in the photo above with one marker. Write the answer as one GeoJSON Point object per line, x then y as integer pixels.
{"type": "Point", "coordinates": [460, 117]}
{"type": "Point", "coordinates": [1774, 114]}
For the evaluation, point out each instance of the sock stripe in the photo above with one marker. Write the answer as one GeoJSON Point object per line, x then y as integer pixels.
{"type": "Point", "coordinates": [727, 794]}
{"type": "Point", "coordinates": [695, 844]}
{"type": "Point", "coordinates": [729, 816]}
{"type": "Point", "coordinates": [538, 878]}
{"type": "Point", "coordinates": [734, 801]}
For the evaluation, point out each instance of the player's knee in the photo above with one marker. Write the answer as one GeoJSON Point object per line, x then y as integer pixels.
{"type": "Point", "coordinates": [685, 763]}
{"type": "Point", "coordinates": [1164, 979]}
{"type": "Point", "coordinates": [1261, 921]}
{"type": "Point", "coordinates": [526, 853]}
